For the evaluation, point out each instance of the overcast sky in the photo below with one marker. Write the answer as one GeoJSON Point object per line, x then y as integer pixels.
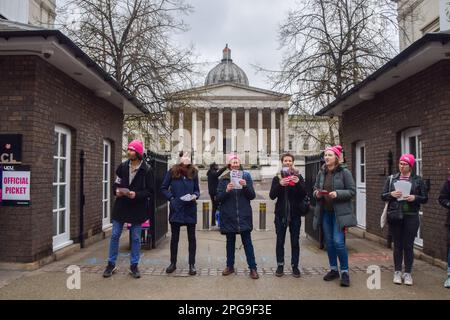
{"type": "Point", "coordinates": [248, 26]}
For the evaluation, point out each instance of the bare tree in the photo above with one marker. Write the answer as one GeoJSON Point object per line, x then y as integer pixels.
{"type": "Point", "coordinates": [331, 45]}
{"type": "Point", "coordinates": [132, 41]}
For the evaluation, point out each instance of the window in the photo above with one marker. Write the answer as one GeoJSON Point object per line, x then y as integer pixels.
{"type": "Point", "coordinates": [106, 182]}
{"type": "Point", "coordinates": [305, 139]}
{"type": "Point", "coordinates": [412, 143]}
{"type": "Point", "coordinates": [61, 186]}
{"type": "Point", "coordinates": [291, 142]}
{"type": "Point", "coordinates": [362, 165]}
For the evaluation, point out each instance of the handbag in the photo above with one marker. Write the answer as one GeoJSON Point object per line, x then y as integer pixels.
{"type": "Point", "coordinates": [383, 219]}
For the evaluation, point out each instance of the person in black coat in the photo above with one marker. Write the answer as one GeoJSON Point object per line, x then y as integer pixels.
{"type": "Point", "coordinates": [444, 200]}
{"type": "Point", "coordinates": [213, 175]}
{"type": "Point", "coordinates": [236, 214]}
{"type": "Point", "coordinates": [182, 180]}
{"type": "Point", "coordinates": [289, 189]}
{"type": "Point", "coordinates": [133, 189]}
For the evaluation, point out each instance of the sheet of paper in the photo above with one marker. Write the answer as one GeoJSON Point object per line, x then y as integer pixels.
{"type": "Point", "coordinates": [404, 187]}
{"type": "Point", "coordinates": [235, 176]}
{"type": "Point", "coordinates": [123, 190]}
{"type": "Point", "coordinates": [188, 197]}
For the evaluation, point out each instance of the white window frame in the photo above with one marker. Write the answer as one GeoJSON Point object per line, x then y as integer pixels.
{"type": "Point", "coordinates": [406, 135]}
{"type": "Point", "coordinates": [63, 239]}
{"type": "Point", "coordinates": [106, 221]}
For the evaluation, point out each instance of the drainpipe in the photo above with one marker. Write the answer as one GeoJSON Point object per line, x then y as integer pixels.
{"type": "Point", "coordinates": [82, 199]}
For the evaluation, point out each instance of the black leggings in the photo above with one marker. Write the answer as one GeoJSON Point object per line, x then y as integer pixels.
{"type": "Point", "coordinates": [403, 234]}
{"type": "Point", "coordinates": [175, 227]}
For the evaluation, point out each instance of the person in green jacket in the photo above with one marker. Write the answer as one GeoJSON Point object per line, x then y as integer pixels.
{"type": "Point", "coordinates": [334, 190]}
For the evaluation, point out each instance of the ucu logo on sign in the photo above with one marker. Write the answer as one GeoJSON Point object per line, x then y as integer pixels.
{"type": "Point", "coordinates": [8, 168]}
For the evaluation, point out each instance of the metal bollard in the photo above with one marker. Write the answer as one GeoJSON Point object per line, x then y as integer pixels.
{"type": "Point", "coordinates": [206, 215]}
{"type": "Point", "coordinates": [262, 216]}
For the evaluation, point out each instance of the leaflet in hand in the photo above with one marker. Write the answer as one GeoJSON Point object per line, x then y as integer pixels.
{"type": "Point", "coordinates": [236, 176]}
{"type": "Point", "coordinates": [404, 187]}
{"type": "Point", "coordinates": [124, 191]}
{"type": "Point", "coordinates": [188, 197]}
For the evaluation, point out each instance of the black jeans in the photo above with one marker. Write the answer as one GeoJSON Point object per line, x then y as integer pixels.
{"type": "Point", "coordinates": [403, 235]}
{"type": "Point", "coordinates": [215, 204]}
{"type": "Point", "coordinates": [175, 227]}
{"type": "Point", "coordinates": [294, 230]}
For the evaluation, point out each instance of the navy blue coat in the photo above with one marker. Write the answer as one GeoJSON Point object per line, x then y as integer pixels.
{"type": "Point", "coordinates": [184, 212]}
{"type": "Point", "coordinates": [235, 209]}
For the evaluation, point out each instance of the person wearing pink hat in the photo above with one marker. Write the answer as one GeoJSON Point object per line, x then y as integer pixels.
{"type": "Point", "coordinates": [235, 192]}
{"type": "Point", "coordinates": [403, 215]}
{"type": "Point", "coordinates": [133, 190]}
{"type": "Point", "coordinates": [334, 190]}
{"type": "Point", "coordinates": [181, 188]}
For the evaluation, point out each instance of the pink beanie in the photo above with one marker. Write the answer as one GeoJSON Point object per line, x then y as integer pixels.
{"type": "Point", "coordinates": [138, 146]}
{"type": "Point", "coordinates": [408, 158]}
{"type": "Point", "coordinates": [232, 156]}
{"type": "Point", "coordinates": [337, 150]}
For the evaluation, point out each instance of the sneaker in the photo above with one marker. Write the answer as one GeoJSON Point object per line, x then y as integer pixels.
{"type": "Point", "coordinates": [398, 277]}
{"type": "Point", "coordinates": [407, 279]}
{"type": "Point", "coordinates": [171, 268]}
{"type": "Point", "coordinates": [134, 271]}
{"type": "Point", "coordinates": [345, 279]}
{"type": "Point", "coordinates": [447, 283]}
{"type": "Point", "coordinates": [331, 275]}
{"type": "Point", "coordinates": [296, 272]}
{"type": "Point", "coordinates": [279, 272]}
{"type": "Point", "coordinates": [110, 269]}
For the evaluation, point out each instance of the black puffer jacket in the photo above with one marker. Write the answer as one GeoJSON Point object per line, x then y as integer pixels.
{"type": "Point", "coordinates": [444, 199]}
{"type": "Point", "coordinates": [135, 210]}
{"type": "Point", "coordinates": [418, 189]}
{"type": "Point", "coordinates": [289, 198]}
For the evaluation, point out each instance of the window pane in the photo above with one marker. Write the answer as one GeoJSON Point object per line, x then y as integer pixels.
{"type": "Point", "coordinates": [55, 223]}
{"type": "Point", "coordinates": [55, 197]}
{"type": "Point", "coordinates": [62, 221]}
{"type": "Point", "coordinates": [55, 170]}
{"type": "Point", "coordinates": [63, 142]}
{"type": "Point", "coordinates": [62, 170]}
{"type": "Point", "coordinates": [363, 173]}
{"type": "Point", "coordinates": [363, 156]}
{"type": "Point", "coordinates": [105, 209]}
{"type": "Point", "coordinates": [106, 151]}
{"type": "Point", "coordinates": [105, 172]}
{"type": "Point", "coordinates": [412, 146]}
{"type": "Point", "coordinates": [62, 196]}
{"type": "Point", "coordinates": [105, 190]}
{"type": "Point", "coordinates": [55, 144]}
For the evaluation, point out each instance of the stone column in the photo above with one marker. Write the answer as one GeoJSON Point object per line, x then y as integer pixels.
{"type": "Point", "coordinates": [260, 133]}
{"type": "Point", "coordinates": [273, 134]}
{"type": "Point", "coordinates": [180, 131]}
{"type": "Point", "coordinates": [194, 136]}
{"type": "Point", "coordinates": [169, 132]}
{"type": "Point", "coordinates": [219, 158]}
{"type": "Point", "coordinates": [233, 130]}
{"type": "Point", "coordinates": [286, 130]}
{"type": "Point", "coordinates": [247, 135]}
{"type": "Point", "coordinates": [207, 150]}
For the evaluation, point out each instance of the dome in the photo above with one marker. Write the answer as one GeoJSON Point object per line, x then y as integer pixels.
{"type": "Point", "coordinates": [226, 71]}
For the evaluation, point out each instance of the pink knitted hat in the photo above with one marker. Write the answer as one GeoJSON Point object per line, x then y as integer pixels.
{"type": "Point", "coordinates": [137, 145]}
{"type": "Point", "coordinates": [337, 150]}
{"type": "Point", "coordinates": [408, 158]}
{"type": "Point", "coordinates": [232, 156]}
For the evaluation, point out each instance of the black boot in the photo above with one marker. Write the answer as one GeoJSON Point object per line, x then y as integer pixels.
{"type": "Point", "coordinates": [110, 269]}
{"type": "Point", "coordinates": [345, 279]}
{"type": "Point", "coordinates": [192, 270]}
{"type": "Point", "coordinates": [171, 268]}
{"type": "Point", "coordinates": [134, 271]}
{"type": "Point", "coordinates": [333, 274]}
{"type": "Point", "coordinates": [280, 271]}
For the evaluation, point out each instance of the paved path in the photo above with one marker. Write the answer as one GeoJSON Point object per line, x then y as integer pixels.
{"type": "Point", "coordinates": [49, 282]}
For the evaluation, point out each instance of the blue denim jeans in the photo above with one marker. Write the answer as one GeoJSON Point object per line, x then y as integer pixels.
{"type": "Point", "coordinates": [334, 240]}
{"type": "Point", "coordinates": [448, 254]}
{"type": "Point", "coordinates": [248, 247]}
{"type": "Point", "coordinates": [135, 242]}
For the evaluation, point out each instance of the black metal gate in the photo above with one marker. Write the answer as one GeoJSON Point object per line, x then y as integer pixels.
{"type": "Point", "coordinates": [312, 167]}
{"type": "Point", "coordinates": [158, 217]}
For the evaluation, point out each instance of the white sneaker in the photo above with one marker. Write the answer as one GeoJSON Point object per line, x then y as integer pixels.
{"type": "Point", "coordinates": [447, 283]}
{"type": "Point", "coordinates": [407, 279]}
{"type": "Point", "coordinates": [398, 277]}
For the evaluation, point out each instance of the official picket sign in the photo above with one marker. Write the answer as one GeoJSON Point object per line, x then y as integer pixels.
{"type": "Point", "coordinates": [15, 185]}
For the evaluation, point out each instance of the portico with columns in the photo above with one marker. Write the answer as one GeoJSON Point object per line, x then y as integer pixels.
{"type": "Point", "coordinates": [227, 115]}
